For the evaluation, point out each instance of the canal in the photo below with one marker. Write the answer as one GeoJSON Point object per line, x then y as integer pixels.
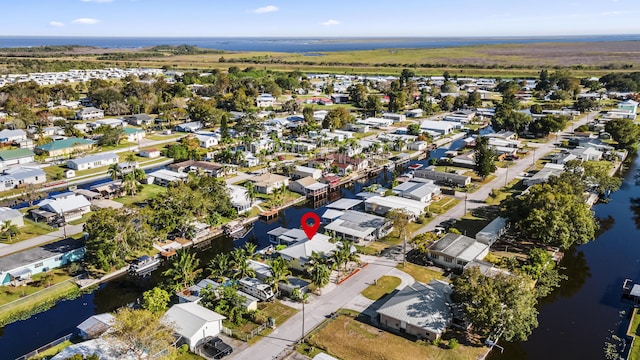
{"type": "Point", "coordinates": [577, 319]}
{"type": "Point", "coordinates": [24, 336]}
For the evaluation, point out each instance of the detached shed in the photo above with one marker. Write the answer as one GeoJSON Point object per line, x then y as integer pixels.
{"type": "Point", "coordinates": [95, 326]}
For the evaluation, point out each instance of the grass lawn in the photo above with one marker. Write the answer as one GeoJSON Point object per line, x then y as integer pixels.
{"type": "Point", "coordinates": [635, 332]}
{"type": "Point", "coordinates": [497, 195]}
{"type": "Point", "coordinates": [47, 354]}
{"type": "Point", "coordinates": [443, 205]}
{"type": "Point", "coordinates": [11, 293]}
{"type": "Point", "coordinates": [368, 342]}
{"type": "Point", "coordinates": [36, 303]}
{"type": "Point", "coordinates": [29, 230]}
{"type": "Point", "coordinates": [383, 286]}
{"type": "Point", "coordinates": [276, 310]}
{"type": "Point", "coordinates": [148, 192]}
{"type": "Point", "coordinates": [421, 273]}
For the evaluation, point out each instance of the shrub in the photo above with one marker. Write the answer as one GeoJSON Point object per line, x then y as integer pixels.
{"type": "Point", "coordinates": [453, 343]}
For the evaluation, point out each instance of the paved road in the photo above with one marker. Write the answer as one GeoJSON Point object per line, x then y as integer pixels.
{"type": "Point", "coordinates": [503, 176]}
{"type": "Point", "coordinates": [315, 312]}
{"type": "Point", "coordinates": [40, 240]}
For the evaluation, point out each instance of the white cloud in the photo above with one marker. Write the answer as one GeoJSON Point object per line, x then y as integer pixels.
{"type": "Point", "coordinates": [331, 22]}
{"type": "Point", "coordinates": [98, 1]}
{"type": "Point", "coordinates": [85, 21]}
{"type": "Point", "coordinates": [56, 23]}
{"type": "Point", "coordinates": [265, 9]}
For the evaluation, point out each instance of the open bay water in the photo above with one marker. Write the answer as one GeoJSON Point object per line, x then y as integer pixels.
{"type": "Point", "coordinates": [296, 45]}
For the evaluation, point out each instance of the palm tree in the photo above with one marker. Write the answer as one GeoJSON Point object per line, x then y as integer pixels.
{"type": "Point", "coordinates": [320, 275]}
{"type": "Point", "coordinates": [251, 191]}
{"type": "Point", "coordinates": [250, 249]}
{"type": "Point", "coordinates": [237, 257]}
{"type": "Point", "coordinates": [184, 270]}
{"type": "Point", "coordinates": [315, 259]}
{"type": "Point", "coordinates": [130, 184]}
{"type": "Point", "coordinates": [8, 229]}
{"type": "Point", "coordinates": [130, 157]}
{"type": "Point", "coordinates": [139, 174]}
{"type": "Point", "coordinates": [115, 171]}
{"type": "Point", "coordinates": [243, 270]}
{"type": "Point", "coordinates": [219, 266]}
{"type": "Point", "coordinates": [338, 257]}
{"type": "Point", "coordinates": [279, 272]}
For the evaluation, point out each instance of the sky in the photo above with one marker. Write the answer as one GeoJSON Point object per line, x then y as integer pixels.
{"type": "Point", "coordinates": [326, 18]}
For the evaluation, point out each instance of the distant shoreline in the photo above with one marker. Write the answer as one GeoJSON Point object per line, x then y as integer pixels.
{"type": "Point", "coordinates": [299, 44]}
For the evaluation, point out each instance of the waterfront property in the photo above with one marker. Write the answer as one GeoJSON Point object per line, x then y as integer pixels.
{"type": "Point", "coordinates": [93, 161]}
{"type": "Point", "coordinates": [424, 192]}
{"type": "Point", "coordinates": [381, 205]}
{"type": "Point", "coordinates": [493, 231]}
{"type": "Point", "coordinates": [430, 173]}
{"type": "Point", "coordinates": [256, 288]}
{"type": "Point", "coordinates": [299, 254]}
{"type": "Point", "coordinates": [421, 310]}
{"type": "Point", "coordinates": [15, 217]}
{"type": "Point", "coordinates": [95, 326]}
{"type": "Point", "coordinates": [193, 322]}
{"type": "Point", "coordinates": [69, 207]}
{"type": "Point", "coordinates": [65, 147]}
{"type": "Point", "coordinates": [305, 171]}
{"type": "Point", "coordinates": [18, 268]}
{"type": "Point", "coordinates": [455, 251]}
{"type": "Point", "coordinates": [267, 182]}
{"type": "Point", "coordinates": [309, 187]}
{"type": "Point", "coordinates": [20, 176]}
{"type": "Point", "coordinates": [358, 226]}
{"type": "Point", "coordinates": [16, 157]}
{"type": "Point", "coordinates": [239, 197]}
{"type": "Point", "coordinates": [194, 294]}
{"type": "Point", "coordinates": [284, 236]}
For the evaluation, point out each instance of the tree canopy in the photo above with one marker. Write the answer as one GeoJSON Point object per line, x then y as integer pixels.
{"type": "Point", "coordinates": [485, 157]}
{"type": "Point", "coordinates": [625, 132]}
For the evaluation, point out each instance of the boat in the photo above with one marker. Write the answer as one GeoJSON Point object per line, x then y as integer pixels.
{"type": "Point", "coordinates": [415, 166]}
{"type": "Point", "coordinates": [236, 229]}
{"type": "Point", "coordinates": [144, 266]}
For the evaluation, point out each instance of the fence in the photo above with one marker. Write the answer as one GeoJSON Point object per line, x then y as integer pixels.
{"type": "Point", "coordinates": [242, 335]}
{"type": "Point", "coordinates": [51, 288]}
{"type": "Point", "coordinates": [45, 347]}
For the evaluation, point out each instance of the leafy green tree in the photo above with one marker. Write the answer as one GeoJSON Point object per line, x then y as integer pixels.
{"type": "Point", "coordinates": [474, 99]}
{"type": "Point", "coordinates": [225, 300]}
{"type": "Point", "coordinates": [202, 110]}
{"type": "Point", "coordinates": [414, 129]}
{"type": "Point", "coordinates": [625, 132]}
{"type": "Point", "coordinates": [397, 101]}
{"type": "Point", "coordinates": [553, 214]}
{"type": "Point", "coordinates": [358, 95]}
{"type": "Point", "coordinates": [178, 152]}
{"type": "Point", "coordinates": [373, 105]}
{"type": "Point", "coordinates": [139, 332]}
{"type": "Point", "coordinates": [307, 113]}
{"type": "Point", "coordinates": [485, 157]}
{"type": "Point", "coordinates": [594, 175]}
{"type": "Point", "coordinates": [111, 136]}
{"type": "Point", "coordinates": [585, 104]}
{"type": "Point", "coordinates": [541, 267]}
{"type": "Point", "coordinates": [219, 267]}
{"type": "Point", "coordinates": [503, 303]}
{"type": "Point", "coordinates": [224, 129]}
{"type": "Point", "coordinates": [156, 300]}
{"type": "Point", "coordinates": [184, 270]}
{"type": "Point", "coordinates": [337, 118]}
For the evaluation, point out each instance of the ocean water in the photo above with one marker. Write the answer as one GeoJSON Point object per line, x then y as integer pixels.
{"type": "Point", "coordinates": [299, 45]}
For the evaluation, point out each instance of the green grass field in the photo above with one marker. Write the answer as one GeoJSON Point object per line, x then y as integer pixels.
{"type": "Point", "coordinates": [421, 273]}
{"type": "Point", "coordinates": [385, 285]}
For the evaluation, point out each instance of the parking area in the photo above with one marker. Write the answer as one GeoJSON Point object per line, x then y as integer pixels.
{"type": "Point", "coordinates": [237, 346]}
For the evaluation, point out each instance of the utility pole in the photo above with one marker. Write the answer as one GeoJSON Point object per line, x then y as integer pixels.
{"type": "Point", "coordinates": [302, 337]}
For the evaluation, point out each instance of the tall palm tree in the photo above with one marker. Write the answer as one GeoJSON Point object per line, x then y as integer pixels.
{"type": "Point", "coordinates": [279, 272]}
{"type": "Point", "coordinates": [130, 185]}
{"type": "Point", "coordinates": [115, 171]}
{"type": "Point", "coordinates": [139, 174]}
{"type": "Point", "coordinates": [400, 220]}
{"type": "Point", "coordinates": [243, 270]}
{"type": "Point", "coordinates": [219, 266]}
{"type": "Point", "coordinates": [250, 249]}
{"type": "Point", "coordinates": [238, 257]}
{"type": "Point", "coordinates": [251, 191]}
{"type": "Point", "coordinates": [130, 157]}
{"type": "Point", "coordinates": [9, 229]}
{"type": "Point", "coordinates": [184, 270]}
{"type": "Point", "coordinates": [320, 275]}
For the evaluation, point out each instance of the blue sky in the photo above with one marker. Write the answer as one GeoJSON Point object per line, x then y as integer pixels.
{"type": "Point", "coordinates": [343, 18]}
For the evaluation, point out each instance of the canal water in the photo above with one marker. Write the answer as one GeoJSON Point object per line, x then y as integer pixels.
{"type": "Point", "coordinates": [24, 336]}
{"type": "Point", "coordinates": [577, 319]}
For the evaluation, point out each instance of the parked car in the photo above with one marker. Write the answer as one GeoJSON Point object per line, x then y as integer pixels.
{"type": "Point", "coordinates": [216, 348]}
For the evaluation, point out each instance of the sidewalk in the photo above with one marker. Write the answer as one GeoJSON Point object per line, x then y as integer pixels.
{"type": "Point", "coordinates": [8, 249]}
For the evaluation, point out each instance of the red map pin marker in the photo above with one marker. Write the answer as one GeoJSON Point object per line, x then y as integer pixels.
{"type": "Point", "coordinates": [310, 230]}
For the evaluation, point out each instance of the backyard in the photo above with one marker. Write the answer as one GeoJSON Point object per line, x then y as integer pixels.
{"type": "Point", "coordinates": [368, 342]}
{"type": "Point", "coordinates": [276, 310]}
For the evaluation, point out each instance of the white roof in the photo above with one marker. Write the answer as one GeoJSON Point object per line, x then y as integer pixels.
{"type": "Point", "coordinates": [188, 319]}
{"type": "Point", "coordinates": [61, 206]}
{"type": "Point", "coordinates": [437, 125]}
{"type": "Point", "coordinates": [9, 213]}
{"type": "Point", "coordinates": [168, 175]}
{"type": "Point", "coordinates": [332, 214]}
{"type": "Point", "coordinates": [395, 202]}
{"type": "Point", "coordinates": [94, 158]}
{"type": "Point", "coordinates": [323, 356]}
{"type": "Point", "coordinates": [304, 249]}
{"type": "Point", "coordinates": [104, 349]}
{"type": "Point", "coordinates": [344, 204]}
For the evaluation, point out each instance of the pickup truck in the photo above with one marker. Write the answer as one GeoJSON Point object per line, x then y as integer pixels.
{"type": "Point", "coordinates": [216, 348]}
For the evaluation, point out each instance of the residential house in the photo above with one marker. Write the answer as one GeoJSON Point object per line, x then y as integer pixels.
{"type": "Point", "coordinates": [299, 254]}
{"type": "Point", "coordinates": [194, 294]}
{"type": "Point", "coordinates": [207, 141]}
{"type": "Point", "coordinates": [421, 310]}
{"type": "Point", "coordinates": [284, 236]}
{"type": "Point", "coordinates": [309, 187]}
{"type": "Point", "coordinates": [13, 216]}
{"type": "Point", "coordinates": [20, 176]}
{"type": "Point", "coordinates": [189, 127]}
{"type": "Point", "coordinates": [381, 205]}
{"type": "Point", "coordinates": [93, 161]}
{"type": "Point", "coordinates": [112, 123]}
{"type": "Point", "coordinates": [437, 128]}
{"type": "Point", "coordinates": [443, 177]}
{"type": "Point", "coordinates": [18, 268]}
{"type": "Point", "coordinates": [461, 116]}
{"type": "Point", "coordinates": [340, 98]}
{"type": "Point", "coordinates": [164, 177]}
{"type": "Point", "coordinates": [13, 136]}
{"type": "Point", "coordinates": [16, 157]}
{"type": "Point", "coordinates": [89, 113]}
{"type": "Point", "coordinates": [139, 120]}
{"type": "Point", "coordinates": [69, 206]}
{"type": "Point", "coordinates": [150, 153]}
{"type": "Point", "coordinates": [134, 135]}
{"type": "Point", "coordinates": [208, 168]}
{"type": "Point", "coordinates": [65, 147]}
{"type": "Point", "coordinates": [418, 146]}
{"type": "Point", "coordinates": [421, 191]}
{"type": "Point", "coordinates": [455, 251]}
{"type": "Point", "coordinates": [267, 182]}
{"type": "Point", "coordinates": [415, 113]}
{"type": "Point", "coordinates": [544, 174]}
{"type": "Point", "coordinates": [359, 226]}
{"type": "Point", "coordinates": [193, 322]}
{"type": "Point", "coordinates": [305, 171]}
{"type": "Point", "coordinates": [265, 100]}
{"type": "Point", "coordinates": [493, 231]}
{"type": "Point", "coordinates": [239, 197]}
{"type": "Point", "coordinates": [375, 123]}
{"type": "Point", "coordinates": [250, 160]}
{"type": "Point", "coordinates": [95, 326]}
{"type": "Point", "coordinates": [628, 105]}
{"type": "Point", "coordinates": [394, 117]}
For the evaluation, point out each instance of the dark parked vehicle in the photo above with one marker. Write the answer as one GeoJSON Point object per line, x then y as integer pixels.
{"type": "Point", "coordinates": [216, 348]}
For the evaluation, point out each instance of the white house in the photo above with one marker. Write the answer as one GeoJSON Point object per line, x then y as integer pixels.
{"type": "Point", "coordinates": [437, 127]}
{"type": "Point", "coordinates": [381, 205]}
{"type": "Point", "coordinates": [267, 182]}
{"type": "Point", "coordinates": [304, 171]}
{"type": "Point", "coordinates": [150, 153]}
{"type": "Point", "coordinates": [17, 135]}
{"type": "Point", "coordinates": [16, 157]}
{"type": "Point", "coordinates": [359, 226]}
{"type": "Point", "coordinates": [189, 126]}
{"type": "Point", "coordinates": [71, 206]}
{"type": "Point", "coordinates": [207, 141]}
{"type": "Point", "coordinates": [14, 216]}
{"type": "Point", "coordinates": [493, 231]}
{"type": "Point", "coordinates": [239, 198]}
{"type": "Point", "coordinates": [299, 254]}
{"type": "Point", "coordinates": [455, 251]}
{"type": "Point", "coordinates": [265, 100]}
{"type": "Point", "coordinates": [89, 113]}
{"type": "Point", "coordinates": [421, 191]}
{"type": "Point", "coordinates": [250, 159]}
{"type": "Point", "coordinates": [19, 176]}
{"type": "Point", "coordinates": [93, 161]}
{"type": "Point", "coordinates": [134, 134]}
{"type": "Point", "coordinates": [193, 322]}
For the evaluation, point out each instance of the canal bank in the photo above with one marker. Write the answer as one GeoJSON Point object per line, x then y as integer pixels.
{"type": "Point", "coordinates": [577, 318]}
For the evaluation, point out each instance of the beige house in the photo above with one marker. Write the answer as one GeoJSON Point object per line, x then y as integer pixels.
{"type": "Point", "coordinates": [267, 182]}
